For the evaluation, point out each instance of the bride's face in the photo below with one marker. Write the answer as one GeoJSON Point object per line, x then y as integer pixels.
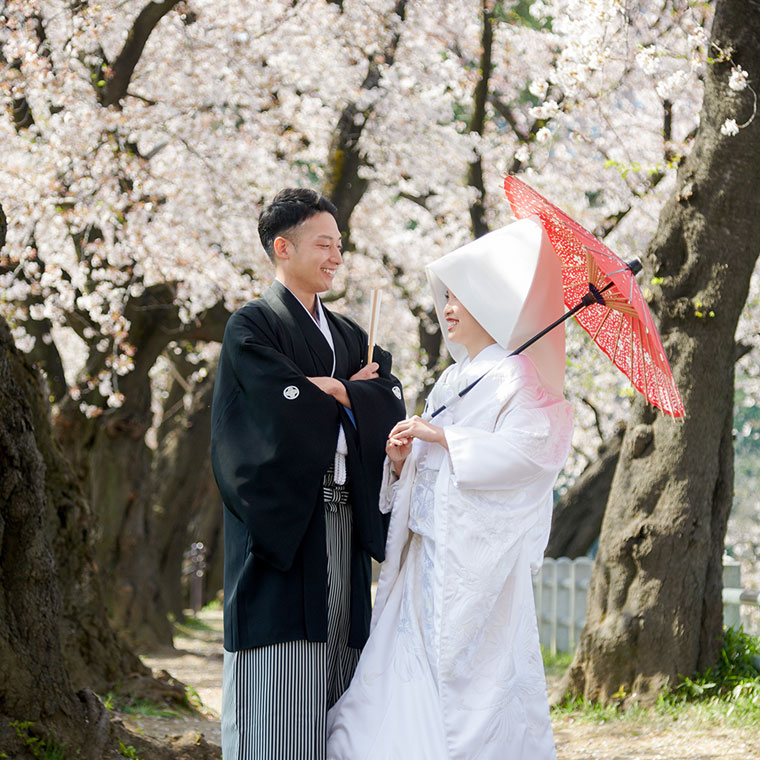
{"type": "Point", "coordinates": [463, 328]}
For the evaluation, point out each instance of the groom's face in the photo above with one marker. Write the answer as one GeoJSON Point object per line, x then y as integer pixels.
{"type": "Point", "coordinates": [312, 253]}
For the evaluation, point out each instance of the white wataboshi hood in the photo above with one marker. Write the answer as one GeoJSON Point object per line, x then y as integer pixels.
{"type": "Point", "coordinates": [510, 280]}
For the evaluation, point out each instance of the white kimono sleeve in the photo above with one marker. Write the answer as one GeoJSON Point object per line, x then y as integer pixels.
{"type": "Point", "coordinates": [387, 486]}
{"type": "Point", "coordinates": [531, 440]}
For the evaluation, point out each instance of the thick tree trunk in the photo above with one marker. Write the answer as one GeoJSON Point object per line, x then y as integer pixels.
{"type": "Point", "coordinates": [113, 464]}
{"type": "Point", "coordinates": [34, 682]}
{"type": "Point", "coordinates": [93, 654]}
{"type": "Point", "coordinates": [45, 701]}
{"type": "Point", "coordinates": [654, 608]}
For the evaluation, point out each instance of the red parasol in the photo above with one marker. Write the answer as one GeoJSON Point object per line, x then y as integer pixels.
{"type": "Point", "coordinates": [602, 289]}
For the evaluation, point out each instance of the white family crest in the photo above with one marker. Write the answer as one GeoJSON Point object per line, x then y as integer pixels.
{"type": "Point", "coordinates": [291, 392]}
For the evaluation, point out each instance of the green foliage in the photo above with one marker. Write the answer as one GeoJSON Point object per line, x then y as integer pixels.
{"type": "Point", "coordinates": [116, 703]}
{"type": "Point", "coordinates": [193, 698]}
{"type": "Point", "coordinates": [191, 624]}
{"type": "Point", "coordinates": [128, 751]}
{"type": "Point", "coordinates": [581, 709]}
{"type": "Point", "coordinates": [727, 693]}
{"type": "Point", "coordinates": [635, 167]}
{"type": "Point", "coordinates": [519, 13]}
{"type": "Point", "coordinates": [700, 311]}
{"type": "Point", "coordinates": [179, 705]}
{"type": "Point", "coordinates": [736, 675]}
{"type": "Point", "coordinates": [555, 664]}
{"type": "Point", "coordinates": [39, 748]}
{"type": "Point", "coordinates": [214, 605]}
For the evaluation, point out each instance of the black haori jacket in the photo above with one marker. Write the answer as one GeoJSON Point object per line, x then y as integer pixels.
{"type": "Point", "coordinates": [273, 437]}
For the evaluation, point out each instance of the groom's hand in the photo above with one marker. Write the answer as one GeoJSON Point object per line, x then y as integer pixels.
{"type": "Point", "coordinates": [332, 387]}
{"type": "Point", "coordinates": [367, 372]}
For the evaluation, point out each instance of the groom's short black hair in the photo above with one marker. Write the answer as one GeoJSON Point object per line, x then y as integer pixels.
{"type": "Point", "coordinates": [288, 209]}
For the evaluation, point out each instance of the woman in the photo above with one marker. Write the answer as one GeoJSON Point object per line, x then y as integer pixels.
{"type": "Point", "coordinates": [452, 668]}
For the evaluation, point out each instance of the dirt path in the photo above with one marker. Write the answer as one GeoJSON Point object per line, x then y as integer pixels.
{"type": "Point", "coordinates": [197, 661]}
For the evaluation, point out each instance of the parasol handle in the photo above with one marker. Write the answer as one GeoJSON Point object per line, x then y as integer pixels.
{"type": "Point", "coordinates": [593, 296]}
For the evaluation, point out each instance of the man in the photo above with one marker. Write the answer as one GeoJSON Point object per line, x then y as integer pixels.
{"type": "Point", "coordinates": [299, 423]}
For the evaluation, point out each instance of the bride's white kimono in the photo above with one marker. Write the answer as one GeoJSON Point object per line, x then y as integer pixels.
{"type": "Point", "coordinates": [452, 668]}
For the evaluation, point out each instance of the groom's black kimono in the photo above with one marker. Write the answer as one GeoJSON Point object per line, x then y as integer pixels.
{"type": "Point", "coordinates": [273, 438]}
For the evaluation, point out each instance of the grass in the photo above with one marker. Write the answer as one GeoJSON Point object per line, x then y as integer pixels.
{"type": "Point", "coordinates": [190, 625]}
{"type": "Point", "coordinates": [556, 664]}
{"type": "Point", "coordinates": [128, 751]}
{"type": "Point", "coordinates": [145, 708]}
{"type": "Point", "coordinates": [727, 694]}
{"type": "Point", "coordinates": [738, 713]}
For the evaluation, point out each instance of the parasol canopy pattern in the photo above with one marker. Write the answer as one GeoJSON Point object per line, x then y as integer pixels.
{"type": "Point", "coordinates": [619, 321]}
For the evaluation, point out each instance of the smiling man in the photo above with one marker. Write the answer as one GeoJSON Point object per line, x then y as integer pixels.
{"type": "Point", "coordinates": [299, 422]}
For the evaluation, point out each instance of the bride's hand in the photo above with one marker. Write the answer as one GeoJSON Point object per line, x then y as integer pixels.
{"type": "Point", "coordinates": [398, 450]}
{"type": "Point", "coordinates": [416, 427]}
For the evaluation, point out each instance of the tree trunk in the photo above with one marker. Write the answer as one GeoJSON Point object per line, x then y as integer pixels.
{"type": "Point", "coordinates": [477, 120]}
{"type": "Point", "coordinates": [34, 682]}
{"type": "Point", "coordinates": [654, 609]}
{"type": "Point", "coordinates": [577, 516]}
{"type": "Point", "coordinates": [113, 463]}
{"type": "Point", "coordinates": [45, 702]}
{"type": "Point", "coordinates": [187, 500]}
{"type": "Point", "coordinates": [343, 185]}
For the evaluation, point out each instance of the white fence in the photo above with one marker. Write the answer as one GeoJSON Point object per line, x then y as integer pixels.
{"type": "Point", "coordinates": [561, 587]}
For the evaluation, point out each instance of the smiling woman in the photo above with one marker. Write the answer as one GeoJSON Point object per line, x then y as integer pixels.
{"type": "Point", "coordinates": [462, 327]}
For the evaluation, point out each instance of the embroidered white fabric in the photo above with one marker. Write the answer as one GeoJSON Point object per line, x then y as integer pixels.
{"type": "Point", "coordinates": [452, 668]}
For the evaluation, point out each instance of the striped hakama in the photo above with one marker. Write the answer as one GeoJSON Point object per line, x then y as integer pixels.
{"type": "Point", "coordinates": [275, 698]}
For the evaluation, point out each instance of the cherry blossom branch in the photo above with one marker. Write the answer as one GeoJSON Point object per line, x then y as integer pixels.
{"type": "Point", "coordinates": [478, 120]}
{"type": "Point", "coordinates": [343, 184]}
{"type": "Point", "coordinates": [119, 73]}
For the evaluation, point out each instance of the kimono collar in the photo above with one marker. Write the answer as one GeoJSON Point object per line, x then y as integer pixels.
{"type": "Point", "coordinates": [488, 356]}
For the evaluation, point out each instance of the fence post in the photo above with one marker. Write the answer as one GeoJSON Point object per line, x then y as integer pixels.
{"type": "Point", "coordinates": [582, 567]}
{"type": "Point", "coordinates": [563, 596]}
{"type": "Point", "coordinates": [544, 584]}
{"type": "Point", "coordinates": [732, 579]}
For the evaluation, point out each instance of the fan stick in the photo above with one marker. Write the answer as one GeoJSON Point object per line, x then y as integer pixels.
{"type": "Point", "coordinates": [374, 318]}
